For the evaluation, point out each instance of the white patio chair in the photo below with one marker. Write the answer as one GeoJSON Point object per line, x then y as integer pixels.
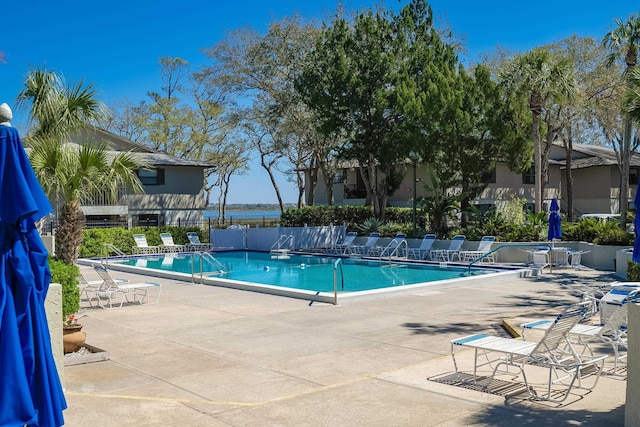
{"type": "Point", "coordinates": [168, 245]}
{"type": "Point", "coordinates": [554, 352]}
{"type": "Point", "coordinates": [576, 258]}
{"type": "Point", "coordinates": [484, 247]}
{"type": "Point", "coordinates": [342, 247]}
{"type": "Point", "coordinates": [539, 259]}
{"type": "Point", "coordinates": [112, 294]}
{"type": "Point", "coordinates": [89, 286]}
{"type": "Point", "coordinates": [142, 247]}
{"type": "Point", "coordinates": [364, 249]}
{"type": "Point", "coordinates": [425, 248]}
{"type": "Point", "coordinates": [613, 333]}
{"type": "Point", "coordinates": [195, 244]}
{"type": "Point", "coordinates": [453, 251]}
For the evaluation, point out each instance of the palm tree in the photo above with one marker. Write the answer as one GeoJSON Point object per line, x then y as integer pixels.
{"type": "Point", "coordinates": [542, 79]}
{"type": "Point", "coordinates": [623, 42]}
{"type": "Point", "coordinates": [71, 174]}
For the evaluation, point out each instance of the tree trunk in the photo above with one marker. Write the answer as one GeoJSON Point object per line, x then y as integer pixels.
{"type": "Point", "coordinates": [537, 162]}
{"type": "Point", "coordinates": [300, 183]}
{"type": "Point", "coordinates": [69, 234]}
{"type": "Point", "coordinates": [311, 185]}
{"type": "Point", "coordinates": [568, 144]}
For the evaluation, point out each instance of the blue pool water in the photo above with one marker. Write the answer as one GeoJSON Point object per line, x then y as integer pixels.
{"type": "Point", "coordinates": [312, 273]}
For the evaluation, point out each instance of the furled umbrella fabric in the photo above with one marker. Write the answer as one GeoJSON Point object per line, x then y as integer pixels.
{"type": "Point", "coordinates": [636, 225]}
{"type": "Point", "coordinates": [555, 222]}
{"type": "Point", "coordinates": [30, 389]}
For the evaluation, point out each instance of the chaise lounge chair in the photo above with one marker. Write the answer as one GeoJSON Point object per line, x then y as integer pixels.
{"type": "Point", "coordinates": [613, 333]}
{"type": "Point", "coordinates": [484, 247]}
{"type": "Point", "coordinates": [554, 353]}
{"type": "Point", "coordinates": [453, 251]}
{"type": "Point", "coordinates": [424, 250]}
{"type": "Point", "coordinates": [168, 245]}
{"type": "Point", "coordinates": [141, 246]}
{"type": "Point", "coordinates": [363, 250]}
{"type": "Point", "coordinates": [342, 247]}
{"type": "Point", "coordinates": [195, 244]}
{"type": "Point", "coordinates": [112, 294]}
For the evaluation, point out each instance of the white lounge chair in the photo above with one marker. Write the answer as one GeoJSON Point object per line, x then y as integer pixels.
{"type": "Point", "coordinates": [554, 352]}
{"type": "Point", "coordinates": [484, 247]}
{"type": "Point", "coordinates": [424, 250]}
{"type": "Point", "coordinates": [142, 247]}
{"type": "Point", "coordinates": [613, 333]}
{"type": "Point", "coordinates": [364, 249]}
{"type": "Point", "coordinates": [342, 247]}
{"type": "Point", "coordinates": [112, 294]}
{"type": "Point", "coordinates": [89, 286]}
{"type": "Point", "coordinates": [168, 245]}
{"type": "Point", "coordinates": [453, 251]}
{"type": "Point", "coordinates": [195, 244]}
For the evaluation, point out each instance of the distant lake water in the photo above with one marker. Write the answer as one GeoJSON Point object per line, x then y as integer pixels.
{"type": "Point", "coordinates": [213, 214]}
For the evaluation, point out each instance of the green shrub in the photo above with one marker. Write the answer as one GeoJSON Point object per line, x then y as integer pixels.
{"type": "Point", "coordinates": [67, 275]}
{"type": "Point", "coordinates": [633, 271]}
{"type": "Point", "coordinates": [597, 231]}
{"type": "Point", "coordinates": [370, 225]}
{"type": "Point", "coordinates": [352, 216]}
{"type": "Point", "coordinates": [390, 229]}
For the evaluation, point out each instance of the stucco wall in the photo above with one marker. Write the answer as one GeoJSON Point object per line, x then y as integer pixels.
{"type": "Point", "coordinates": [53, 308]}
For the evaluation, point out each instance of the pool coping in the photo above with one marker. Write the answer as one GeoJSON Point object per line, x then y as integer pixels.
{"type": "Point", "coordinates": [509, 272]}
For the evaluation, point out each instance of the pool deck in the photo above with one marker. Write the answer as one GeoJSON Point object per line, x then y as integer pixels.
{"type": "Point", "coordinates": [213, 356]}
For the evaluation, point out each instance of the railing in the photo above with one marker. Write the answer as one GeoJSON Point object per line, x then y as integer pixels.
{"type": "Point", "coordinates": [277, 248]}
{"type": "Point", "coordinates": [109, 248]}
{"type": "Point", "coordinates": [206, 256]}
{"type": "Point", "coordinates": [394, 249]}
{"type": "Point", "coordinates": [511, 245]}
{"type": "Point", "coordinates": [337, 263]}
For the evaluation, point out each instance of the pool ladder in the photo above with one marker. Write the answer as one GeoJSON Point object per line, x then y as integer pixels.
{"type": "Point", "coordinates": [280, 249]}
{"type": "Point", "coordinates": [108, 248]}
{"type": "Point", "coordinates": [206, 256]}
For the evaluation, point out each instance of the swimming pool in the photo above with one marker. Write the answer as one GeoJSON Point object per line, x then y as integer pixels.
{"type": "Point", "coordinates": [308, 277]}
{"type": "Point", "coordinates": [312, 273]}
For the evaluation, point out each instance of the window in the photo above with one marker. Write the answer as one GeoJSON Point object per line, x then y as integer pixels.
{"type": "Point", "coordinates": [529, 176]}
{"type": "Point", "coordinates": [489, 177]}
{"type": "Point", "coordinates": [151, 177]}
{"type": "Point", "coordinates": [633, 176]}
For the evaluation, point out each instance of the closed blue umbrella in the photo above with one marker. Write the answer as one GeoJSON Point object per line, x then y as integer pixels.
{"type": "Point", "coordinates": [555, 223]}
{"type": "Point", "coordinates": [636, 226]}
{"type": "Point", "coordinates": [30, 389]}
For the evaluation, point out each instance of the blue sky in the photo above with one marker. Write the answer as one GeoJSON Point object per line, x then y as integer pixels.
{"type": "Point", "coordinates": [116, 45]}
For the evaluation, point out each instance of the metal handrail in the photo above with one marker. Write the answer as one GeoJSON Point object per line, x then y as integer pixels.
{"type": "Point", "coordinates": [547, 245]}
{"type": "Point", "coordinates": [281, 241]}
{"type": "Point", "coordinates": [395, 251]}
{"type": "Point", "coordinates": [210, 259]}
{"type": "Point", "coordinates": [108, 247]}
{"type": "Point", "coordinates": [338, 262]}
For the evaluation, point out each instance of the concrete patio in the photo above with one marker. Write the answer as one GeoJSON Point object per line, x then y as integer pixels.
{"type": "Point", "coordinates": [211, 356]}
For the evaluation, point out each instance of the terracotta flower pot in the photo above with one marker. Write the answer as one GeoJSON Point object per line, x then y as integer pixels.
{"type": "Point", "coordinates": [73, 338]}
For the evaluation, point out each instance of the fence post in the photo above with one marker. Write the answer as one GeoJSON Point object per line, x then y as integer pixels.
{"type": "Point", "coordinates": [178, 222]}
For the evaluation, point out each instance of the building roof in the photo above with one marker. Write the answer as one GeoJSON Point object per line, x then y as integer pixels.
{"type": "Point", "coordinates": [588, 155]}
{"type": "Point", "coordinates": [149, 155]}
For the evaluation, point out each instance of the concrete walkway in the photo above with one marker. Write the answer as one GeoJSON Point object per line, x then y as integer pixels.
{"type": "Point", "coordinates": [210, 356]}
